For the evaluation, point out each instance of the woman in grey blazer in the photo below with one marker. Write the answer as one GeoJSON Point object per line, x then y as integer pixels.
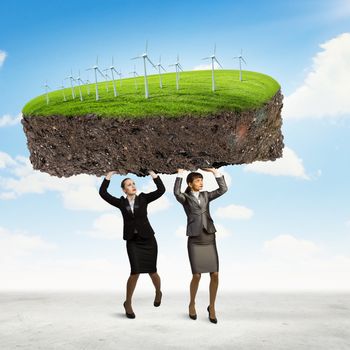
{"type": "Point", "coordinates": [201, 243]}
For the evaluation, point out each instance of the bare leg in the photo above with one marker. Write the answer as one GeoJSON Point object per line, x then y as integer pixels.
{"type": "Point", "coordinates": [156, 282]}
{"type": "Point", "coordinates": [130, 287]}
{"type": "Point", "coordinates": [213, 287]}
{"type": "Point", "coordinates": [193, 291]}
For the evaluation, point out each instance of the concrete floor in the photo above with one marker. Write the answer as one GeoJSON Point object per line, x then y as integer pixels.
{"type": "Point", "coordinates": [47, 320]}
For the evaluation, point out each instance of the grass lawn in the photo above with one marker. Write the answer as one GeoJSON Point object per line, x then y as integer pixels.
{"type": "Point", "coordinates": [194, 96]}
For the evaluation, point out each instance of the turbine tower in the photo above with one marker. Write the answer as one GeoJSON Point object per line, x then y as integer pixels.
{"type": "Point", "coordinates": [106, 78]}
{"type": "Point", "coordinates": [240, 58]}
{"type": "Point", "coordinates": [159, 65]}
{"type": "Point", "coordinates": [96, 69]}
{"type": "Point", "coordinates": [145, 58]}
{"type": "Point", "coordinates": [78, 79]}
{"type": "Point", "coordinates": [70, 77]}
{"type": "Point", "coordinates": [177, 67]}
{"type": "Point", "coordinates": [87, 84]}
{"type": "Point", "coordinates": [112, 69]}
{"type": "Point", "coordinates": [120, 77]}
{"type": "Point", "coordinates": [135, 75]}
{"type": "Point", "coordinates": [213, 60]}
{"type": "Point", "coordinates": [62, 87]}
{"type": "Point", "coordinates": [47, 87]}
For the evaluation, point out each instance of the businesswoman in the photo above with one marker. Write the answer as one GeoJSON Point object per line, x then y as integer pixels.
{"type": "Point", "coordinates": [141, 244]}
{"type": "Point", "coordinates": [201, 242]}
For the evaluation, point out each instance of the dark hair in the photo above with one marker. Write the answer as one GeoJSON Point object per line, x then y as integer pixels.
{"type": "Point", "coordinates": [190, 178]}
{"type": "Point", "coordinates": [122, 183]}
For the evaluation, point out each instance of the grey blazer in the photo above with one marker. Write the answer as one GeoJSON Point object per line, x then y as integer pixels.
{"type": "Point", "coordinates": [198, 215]}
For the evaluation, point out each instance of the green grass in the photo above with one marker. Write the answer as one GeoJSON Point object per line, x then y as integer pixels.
{"type": "Point", "coordinates": [194, 97]}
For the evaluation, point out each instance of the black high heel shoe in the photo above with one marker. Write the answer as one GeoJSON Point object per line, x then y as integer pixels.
{"type": "Point", "coordinates": [193, 317]}
{"type": "Point", "coordinates": [157, 303]}
{"type": "Point", "coordinates": [132, 315]}
{"type": "Point", "coordinates": [213, 320]}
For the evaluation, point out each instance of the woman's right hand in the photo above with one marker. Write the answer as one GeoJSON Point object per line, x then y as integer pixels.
{"type": "Point", "coordinates": [109, 175]}
{"type": "Point", "coordinates": [180, 170]}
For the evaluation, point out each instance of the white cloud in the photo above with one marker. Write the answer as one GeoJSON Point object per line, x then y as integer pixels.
{"type": "Point", "coordinates": [17, 244]}
{"type": "Point", "coordinates": [234, 212]}
{"type": "Point", "coordinates": [288, 165]}
{"type": "Point", "coordinates": [206, 66]}
{"type": "Point", "coordinates": [6, 160]}
{"type": "Point", "coordinates": [324, 92]}
{"type": "Point", "coordinates": [3, 56]}
{"type": "Point", "coordinates": [8, 120]}
{"type": "Point", "coordinates": [286, 246]}
{"type": "Point", "coordinates": [106, 226]}
{"type": "Point", "coordinates": [78, 192]}
{"type": "Point", "coordinates": [65, 274]}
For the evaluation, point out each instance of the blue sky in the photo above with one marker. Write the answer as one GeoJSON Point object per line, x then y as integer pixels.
{"type": "Point", "coordinates": [294, 213]}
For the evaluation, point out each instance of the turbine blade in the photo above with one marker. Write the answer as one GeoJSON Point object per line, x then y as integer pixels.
{"type": "Point", "coordinates": [215, 49]}
{"type": "Point", "coordinates": [98, 69]}
{"type": "Point", "coordinates": [151, 62]}
{"type": "Point", "coordinates": [206, 58]}
{"type": "Point", "coordinates": [244, 60]}
{"type": "Point", "coordinates": [135, 58]}
{"type": "Point", "coordinates": [162, 68]}
{"type": "Point", "coordinates": [218, 63]}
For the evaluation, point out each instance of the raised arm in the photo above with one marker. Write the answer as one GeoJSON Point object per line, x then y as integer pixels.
{"type": "Point", "coordinates": [152, 196]}
{"type": "Point", "coordinates": [180, 197]}
{"type": "Point", "coordinates": [105, 195]}
{"type": "Point", "coordinates": [221, 182]}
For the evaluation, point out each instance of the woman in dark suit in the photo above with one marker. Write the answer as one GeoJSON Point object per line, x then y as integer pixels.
{"type": "Point", "coordinates": [141, 244]}
{"type": "Point", "coordinates": [201, 243]}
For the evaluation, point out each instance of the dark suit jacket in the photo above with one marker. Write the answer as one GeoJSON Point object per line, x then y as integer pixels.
{"type": "Point", "coordinates": [198, 214]}
{"type": "Point", "coordinates": [136, 222]}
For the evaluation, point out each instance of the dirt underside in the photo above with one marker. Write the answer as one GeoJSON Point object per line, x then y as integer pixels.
{"type": "Point", "coordinates": [65, 146]}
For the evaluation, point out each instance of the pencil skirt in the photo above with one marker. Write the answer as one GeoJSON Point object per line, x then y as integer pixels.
{"type": "Point", "coordinates": [142, 253]}
{"type": "Point", "coordinates": [202, 253]}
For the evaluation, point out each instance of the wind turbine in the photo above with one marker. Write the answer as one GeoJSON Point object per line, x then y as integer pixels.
{"type": "Point", "coordinates": [240, 57]}
{"type": "Point", "coordinates": [145, 57]}
{"type": "Point", "coordinates": [213, 60]}
{"type": "Point", "coordinates": [135, 75]}
{"type": "Point", "coordinates": [159, 65]}
{"type": "Point", "coordinates": [63, 94]}
{"type": "Point", "coordinates": [112, 69]}
{"type": "Point", "coordinates": [96, 69]}
{"type": "Point", "coordinates": [47, 87]}
{"type": "Point", "coordinates": [106, 78]}
{"type": "Point", "coordinates": [177, 67]}
{"type": "Point", "coordinates": [70, 77]}
{"type": "Point", "coordinates": [80, 82]}
{"type": "Point", "coordinates": [120, 77]}
{"type": "Point", "coordinates": [87, 84]}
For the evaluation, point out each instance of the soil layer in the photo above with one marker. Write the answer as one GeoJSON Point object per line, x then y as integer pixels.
{"type": "Point", "coordinates": [64, 146]}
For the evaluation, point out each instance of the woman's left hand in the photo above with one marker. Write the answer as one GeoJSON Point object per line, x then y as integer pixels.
{"type": "Point", "coordinates": [152, 173]}
{"type": "Point", "coordinates": [212, 170]}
